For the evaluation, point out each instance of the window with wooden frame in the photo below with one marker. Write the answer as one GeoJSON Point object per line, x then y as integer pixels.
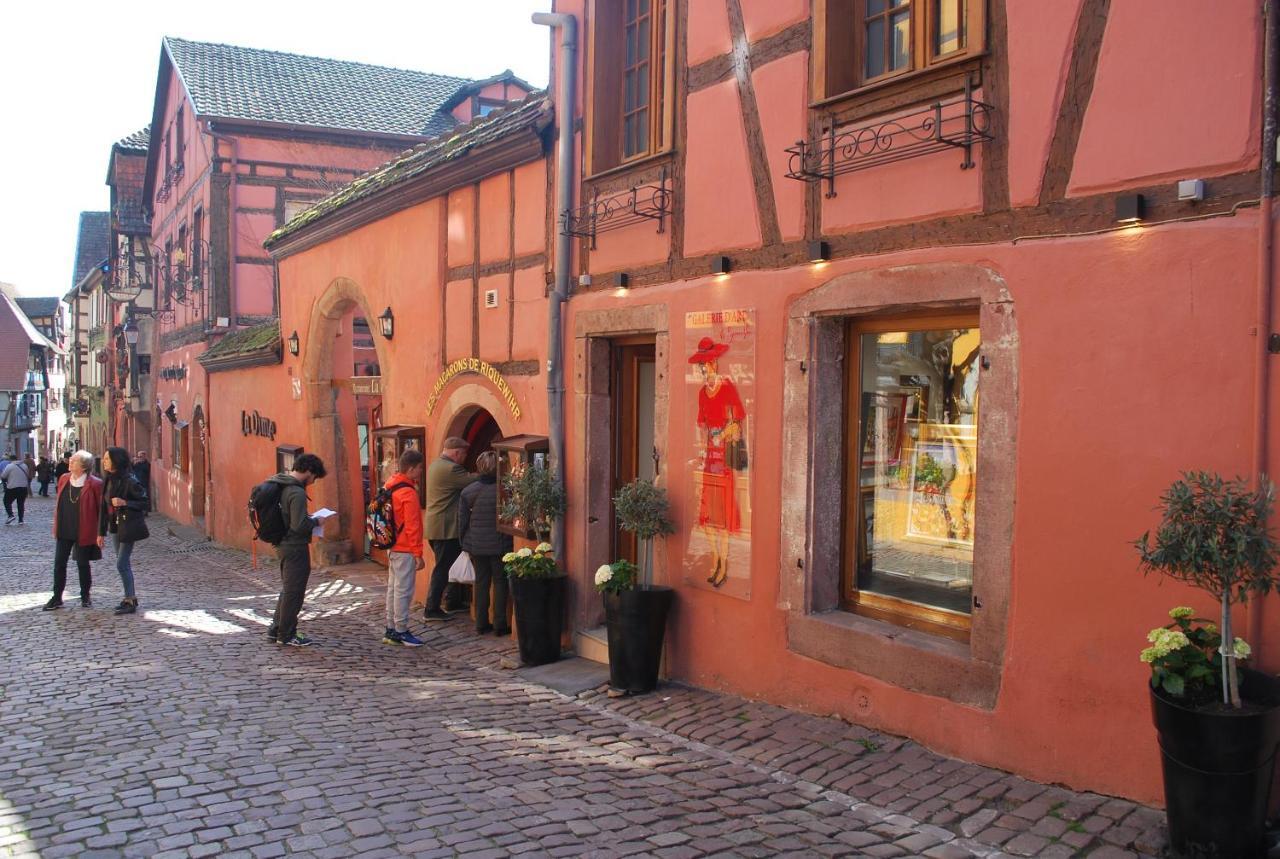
{"type": "Point", "coordinates": [631, 81]}
{"type": "Point", "coordinates": [182, 447]}
{"type": "Point", "coordinates": [869, 42]}
{"type": "Point", "coordinates": [911, 441]}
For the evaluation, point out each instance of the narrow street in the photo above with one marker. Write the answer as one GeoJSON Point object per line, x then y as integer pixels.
{"type": "Point", "coordinates": [181, 732]}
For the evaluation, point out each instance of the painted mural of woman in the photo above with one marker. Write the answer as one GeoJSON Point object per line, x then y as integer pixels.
{"type": "Point", "coordinates": [720, 417]}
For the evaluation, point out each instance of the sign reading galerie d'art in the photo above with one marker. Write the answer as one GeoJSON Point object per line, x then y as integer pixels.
{"type": "Point", "coordinates": [720, 382]}
{"type": "Point", "coordinates": [478, 367]}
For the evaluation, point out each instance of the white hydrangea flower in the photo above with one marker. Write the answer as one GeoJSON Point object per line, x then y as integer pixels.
{"type": "Point", "coordinates": [508, 557]}
{"type": "Point", "coordinates": [603, 574]}
{"type": "Point", "coordinates": [1181, 612]}
{"type": "Point", "coordinates": [524, 553]}
{"type": "Point", "coordinates": [543, 547]}
{"type": "Point", "coordinates": [1241, 649]}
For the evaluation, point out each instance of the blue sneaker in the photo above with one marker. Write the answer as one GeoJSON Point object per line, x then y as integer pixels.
{"type": "Point", "coordinates": [408, 639]}
{"type": "Point", "coordinates": [391, 637]}
{"type": "Point", "coordinates": [299, 640]}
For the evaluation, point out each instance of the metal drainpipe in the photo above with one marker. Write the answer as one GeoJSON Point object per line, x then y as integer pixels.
{"type": "Point", "coordinates": [1266, 277]}
{"type": "Point", "coordinates": [566, 67]}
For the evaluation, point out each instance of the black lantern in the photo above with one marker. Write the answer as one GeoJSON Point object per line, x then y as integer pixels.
{"type": "Point", "coordinates": [131, 332]}
{"type": "Point", "coordinates": [387, 322]}
{"type": "Point", "coordinates": [293, 343]}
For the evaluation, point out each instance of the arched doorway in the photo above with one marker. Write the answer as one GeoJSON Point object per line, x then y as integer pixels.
{"type": "Point", "coordinates": [480, 430]}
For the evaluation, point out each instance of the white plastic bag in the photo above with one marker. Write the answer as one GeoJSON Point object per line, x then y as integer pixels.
{"type": "Point", "coordinates": [463, 570]}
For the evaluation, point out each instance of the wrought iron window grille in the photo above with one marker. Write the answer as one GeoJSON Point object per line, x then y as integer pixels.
{"type": "Point", "coordinates": [644, 202]}
{"type": "Point", "coordinates": [957, 123]}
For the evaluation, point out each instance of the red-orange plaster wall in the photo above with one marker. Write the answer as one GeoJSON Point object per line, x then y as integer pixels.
{"type": "Point", "coordinates": [720, 206]}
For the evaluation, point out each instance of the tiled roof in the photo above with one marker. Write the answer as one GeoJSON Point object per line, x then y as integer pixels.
{"type": "Point", "coordinates": [136, 142]}
{"type": "Point", "coordinates": [467, 90]}
{"type": "Point", "coordinates": [534, 112]}
{"type": "Point", "coordinates": [269, 86]}
{"type": "Point", "coordinates": [93, 245]}
{"type": "Point", "coordinates": [39, 306]}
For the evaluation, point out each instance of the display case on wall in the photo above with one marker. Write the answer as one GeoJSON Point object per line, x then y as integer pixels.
{"type": "Point", "coordinates": [286, 456]}
{"type": "Point", "coordinates": [514, 454]}
{"type": "Point", "coordinates": [389, 443]}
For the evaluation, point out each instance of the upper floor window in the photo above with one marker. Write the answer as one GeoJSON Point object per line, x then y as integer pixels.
{"type": "Point", "coordinates": [631, 76]}
{"type": "Point", "coordinates": [871, 41]}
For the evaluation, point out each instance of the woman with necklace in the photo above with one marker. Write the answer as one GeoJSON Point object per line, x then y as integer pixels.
{"type": "Point", "coordinates": [76, 516]}
{"type": "Point", "coordinates": [124, 510]}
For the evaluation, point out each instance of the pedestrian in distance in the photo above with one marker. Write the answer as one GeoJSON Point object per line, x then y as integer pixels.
{"type": "Point", "coordinates": [63, 466]}
{"type": "Point", "coordinates": [446, 478]}
{"type": "Point", "coordinates": [142, 470]}
{"type": "Point", "coordinates": [123, 516]}
{"type": "Point", "coordinates": [44, 475]}
{"type": "Point", "coordinates": [294, 548]}
{"type": "Point", "coordinates": [76, 514]}
{"type": "Point", "coordinates": [5, 461]}
{"type": "Point", "coordinates": [18, 477]}
{"type": "Point", "coordinates": [404, 559]}
{"type": "Point", "coordinates": [480, 538]}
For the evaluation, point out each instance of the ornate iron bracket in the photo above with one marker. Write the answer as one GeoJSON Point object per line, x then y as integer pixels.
{"type": "Point", "coordinates": [648, 202]}
{"type": "Point", "coordinates": [958, 123]}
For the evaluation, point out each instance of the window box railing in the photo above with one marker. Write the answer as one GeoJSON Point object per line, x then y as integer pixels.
{"type": "Point", "coordinates": [958, 123]}
{"type": "Point", "coordinates": [639, 203]}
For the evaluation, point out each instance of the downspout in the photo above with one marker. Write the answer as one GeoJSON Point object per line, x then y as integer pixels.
{"type": "Point", "coordinates": [1266, 277]}
{"type": "Point", "coordinates": [566, 66]}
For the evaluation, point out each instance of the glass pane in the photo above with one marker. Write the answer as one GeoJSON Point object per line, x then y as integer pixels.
{"type": "Point", "coordinates": [901, 39]}
{"type": "Point", "coordinates": [875, 48]}
{"type": "Point", "coordinates": [901, 2]}
{"type": "Point", "coordinates": [875, 7]}
{"type": "Point", "coordinates": [631, 47]}
{"type": "Point", "coordinates": [642, 85]}
{"type": "Point", "coordinates": [642, 39]}
{"type": "Point", "coordinates": [918, 437]}
{"type": "Point", "coordinates": [949, 32]}
{"type": "Point", "coordinates": [628, 92]}
{"type": "Point", "coordinates": [631, 10]}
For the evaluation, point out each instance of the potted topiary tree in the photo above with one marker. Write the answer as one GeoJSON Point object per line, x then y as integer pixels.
{"type": "Point", "coordinates": [636, 610]}
{"type": "Point", "coordinates": [1218, 724]}
{"type": "Point", "coordinates": [535, 498]}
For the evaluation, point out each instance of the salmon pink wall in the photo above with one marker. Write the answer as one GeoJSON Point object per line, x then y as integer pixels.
{"type": "Point", "coordinates": [631, 246]}
{"type": "Point", "coordinates": [765, 17]}
{"type": "Point", "coordinates": [708, 30]}
{"type": "Point", "coordinates": [495, 220]}
{"type": "Point", "coordinates": [781, 94]}
{"type": "Point", "coordinates": [1177, 90]}
{"type": "Point", "coordinates": [720, 206]}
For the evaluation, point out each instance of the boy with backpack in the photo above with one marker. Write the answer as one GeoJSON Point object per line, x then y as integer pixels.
{"type": "Point", "coordinates": [395, 512]}
{"type": "Point", "coordinates": [278, 511]}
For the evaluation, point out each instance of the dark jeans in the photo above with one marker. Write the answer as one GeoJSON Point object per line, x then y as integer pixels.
{"type": "Point", "coordinates": [20, 495]}
{"type": "Point", "coordinates": [61, 554]}
{"type": "Point", "coordinates": [446, 552]}
{"type": "Point", "coordinates": [489, 572]}
{"type": "Point", "coordinates": [295, 569]}
{"type": "Point", "coordinates": [44, 488]}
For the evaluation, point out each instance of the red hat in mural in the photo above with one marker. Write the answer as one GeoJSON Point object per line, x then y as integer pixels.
{"type": "Point", "coordinates": [708, 350]}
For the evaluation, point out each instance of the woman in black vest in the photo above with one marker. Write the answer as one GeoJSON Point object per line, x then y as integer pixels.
{"type": "Point", "coordinates": [478, 532]}
{"type": "Point", "coordinates": [124, 511]}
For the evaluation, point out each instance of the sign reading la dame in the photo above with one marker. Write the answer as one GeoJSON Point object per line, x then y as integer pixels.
{"type": "Point", "coordinates": [252, 423]}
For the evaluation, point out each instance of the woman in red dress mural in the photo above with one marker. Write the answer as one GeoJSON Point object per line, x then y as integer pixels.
{"type": "Point", "coordinates": [720, 417]}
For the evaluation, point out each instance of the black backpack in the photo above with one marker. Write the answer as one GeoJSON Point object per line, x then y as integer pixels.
{"type": "Point", "coordinates": [265, 513]}
{"type": "Point", "coordinates": [380, 524]}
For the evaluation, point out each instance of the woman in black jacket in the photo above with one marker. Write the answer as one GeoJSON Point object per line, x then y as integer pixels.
{"type": "Point", "coordinates": [124, 510]}
{"type": "Point", "coordinates": [478, 531]}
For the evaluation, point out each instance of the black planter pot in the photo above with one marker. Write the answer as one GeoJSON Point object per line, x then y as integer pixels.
{"type": "Point", "coordinates": [637, 622]}
{"type": "Point", "coordinates": [1217, 770]}
{"type": "Point", "coordinates": [539, 608]}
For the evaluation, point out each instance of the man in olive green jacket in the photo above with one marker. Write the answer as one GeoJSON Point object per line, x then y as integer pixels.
{"type": "Point", "coordinates": [446, 478]}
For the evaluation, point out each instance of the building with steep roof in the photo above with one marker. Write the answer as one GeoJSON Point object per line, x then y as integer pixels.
{"type": "Point", "coordinates": [240, 141]}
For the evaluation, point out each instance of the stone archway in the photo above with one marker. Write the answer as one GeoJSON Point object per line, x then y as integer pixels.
{"type": "Point", "coordinates": [326, 435]}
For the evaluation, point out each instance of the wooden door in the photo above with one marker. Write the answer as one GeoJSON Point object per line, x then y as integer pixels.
{"type": "Point", "coordinates": [634, 454]}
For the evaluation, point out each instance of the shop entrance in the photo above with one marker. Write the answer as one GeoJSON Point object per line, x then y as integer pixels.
{"type": "Point", "coordinates": [634, 454]}
{"type": "Point", "coordinates": [481, 431]}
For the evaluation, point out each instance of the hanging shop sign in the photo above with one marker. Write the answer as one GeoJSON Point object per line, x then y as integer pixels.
{"type": "Point", "coordinates": [252, 423]}
{"type": "Point", "coordinates": [367, 385]}
{"type": "Point", "coordinates": [478, 367]}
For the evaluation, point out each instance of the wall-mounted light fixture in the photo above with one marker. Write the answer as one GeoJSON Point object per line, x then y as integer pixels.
{"type": "Point", "coordinates": [131, 332]}
{"type": "Point", "coordinates": [720, 265]}
{"type": "Point", "coordinates": [294, 345]}
{"type": "Point", "coordinates": [621, 280]}
{"type": "Point", "coordinates": [1129, 208]}
{"type": "Point", "coordinates": [819, 251]}
{"type": "Point", "coordinates": [387, 323]}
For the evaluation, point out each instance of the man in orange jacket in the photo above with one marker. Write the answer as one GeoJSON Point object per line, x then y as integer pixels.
{"type": "Point", "coordinates": [405, 557]}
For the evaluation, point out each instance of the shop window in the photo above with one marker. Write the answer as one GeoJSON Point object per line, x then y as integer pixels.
{"type": "Point", "coordinates": [911, 472]}
{"type": "Point", "coordinates": [631, 43]}
{"type": "Point", "coordinates": [868, 42]}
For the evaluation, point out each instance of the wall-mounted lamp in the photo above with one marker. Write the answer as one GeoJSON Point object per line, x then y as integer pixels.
{"type": "Point", "coordinates": [387, 323]}
{"type": "Point", "coordinates": [819, 251]}
{"type": "Point", "coordinates": [621, 280]}
{"type": "Point", "coordinates": [131, 332]}
{"type": "Point", "coordinates": [720, 265]}
{"type": "Point", "coordinates": [1129, 208]}
{"type": "Point", "coordinates": [294, 345]}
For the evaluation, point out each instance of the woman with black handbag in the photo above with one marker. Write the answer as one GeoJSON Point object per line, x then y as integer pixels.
{"type": "Point", "coordinates": [124, 516]}
{"type": "Point", "coordinates": [76, 515]}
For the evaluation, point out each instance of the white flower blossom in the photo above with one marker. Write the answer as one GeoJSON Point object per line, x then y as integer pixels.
{"type": "Point", "coordinates": [508, 557]}
{"type": "Point", "coordinates": [524, 553]}
{"type": "Point", "coordinates": [543, 547]}
{"type": "Point", "coordinates": [1241, 649]}
{"type": "Point", "coordinates": [603, 574]}
{"type": "Point", "coordinates": [1181, 612]}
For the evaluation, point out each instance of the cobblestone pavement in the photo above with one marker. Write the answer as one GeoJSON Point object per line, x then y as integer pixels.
{"type": "Point", "coordinates": [180, 732]}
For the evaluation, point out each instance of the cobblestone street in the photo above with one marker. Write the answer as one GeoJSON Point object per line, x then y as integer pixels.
{"type": "Point", "coordinates": [181, 732]}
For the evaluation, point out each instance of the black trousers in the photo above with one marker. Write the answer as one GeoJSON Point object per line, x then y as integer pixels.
{"type": "Point", "coordinates": [446, 552]}
{"type": "Point", "coordinates": [18, 494]}
{"type": "Point", "coordinates": [44, 488]}
{"type": "Point", "coordinates": [61, 554]}
{"type": "Point", "coordinates": [295, 569]}
{"type": "Point", "coordinates": [490, 575]}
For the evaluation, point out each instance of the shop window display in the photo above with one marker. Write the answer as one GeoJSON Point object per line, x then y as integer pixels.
{"type": "Point", "coordinates": [912, 472]}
